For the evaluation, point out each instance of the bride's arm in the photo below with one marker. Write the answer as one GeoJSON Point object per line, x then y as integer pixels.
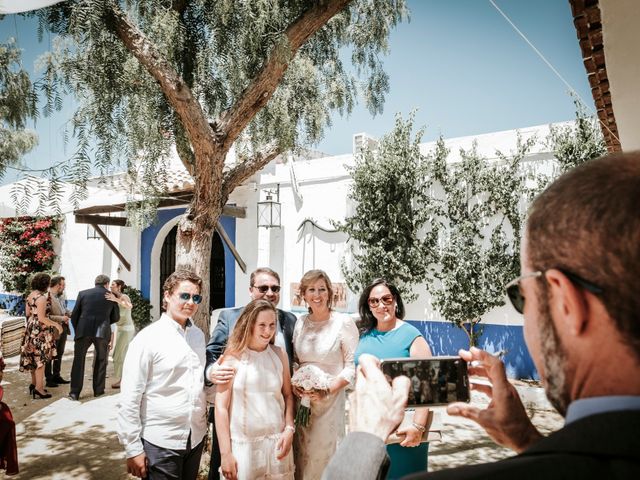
{"type": "Point", "coordinates": [349, 339]}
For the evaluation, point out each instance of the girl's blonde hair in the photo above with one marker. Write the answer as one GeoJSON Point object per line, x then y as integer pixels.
{"type": "Point", "coordinates": [241, 335]}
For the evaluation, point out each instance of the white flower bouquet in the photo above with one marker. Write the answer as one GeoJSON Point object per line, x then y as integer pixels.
{"type": "Point", "coordinates": [310, 379]}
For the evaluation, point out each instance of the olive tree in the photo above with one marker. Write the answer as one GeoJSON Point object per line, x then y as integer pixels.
{"type": "Point", "coordinates": [204, 76]}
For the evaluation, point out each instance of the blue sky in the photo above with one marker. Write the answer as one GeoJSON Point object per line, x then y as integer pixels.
{"type": "Point", "coordinates": [457, 62]}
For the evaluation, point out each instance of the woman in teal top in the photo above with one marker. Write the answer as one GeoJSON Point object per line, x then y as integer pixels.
{"type": "Point", "coordinates": [384, 335]}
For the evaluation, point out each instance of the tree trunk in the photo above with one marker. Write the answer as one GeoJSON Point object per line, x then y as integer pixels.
{"type": "Point", "coordinates": [469, 327]}
{"type": "Point", "coordinates": [193, 252]}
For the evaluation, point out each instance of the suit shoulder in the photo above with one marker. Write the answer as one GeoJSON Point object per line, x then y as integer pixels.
{"type": "Point", "coordinates": [288, 315]}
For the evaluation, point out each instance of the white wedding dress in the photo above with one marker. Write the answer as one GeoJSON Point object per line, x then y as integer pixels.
{"type": "Point", "coordinates": [329, 345]}
{"type": "Point", "coordinates": [257, 417]}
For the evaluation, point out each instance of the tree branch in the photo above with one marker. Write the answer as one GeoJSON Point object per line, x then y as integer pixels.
{"type": "Point", "coordinates": [246, 168]}
{"type": "Point", "coordinates": [262, 87]}
{"type": "Point", "coordinates": [172, 85]}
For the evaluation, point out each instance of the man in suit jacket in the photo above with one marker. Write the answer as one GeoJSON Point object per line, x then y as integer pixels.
{"type": "Point", "coordinates": [91, 318]}
{"type": "Point", "coordinates": [578, 294]}
{"type": "Point", "coordinates": [263, 283]}
{"type": "Point", "coordinates": [61, 315]}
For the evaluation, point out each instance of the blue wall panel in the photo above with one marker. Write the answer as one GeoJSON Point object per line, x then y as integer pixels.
{"type": "Point", "coordinates": [446, 339]}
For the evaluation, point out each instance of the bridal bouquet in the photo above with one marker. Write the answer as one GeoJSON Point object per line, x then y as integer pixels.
{"type": "Point", "coordinates": [311, 379]}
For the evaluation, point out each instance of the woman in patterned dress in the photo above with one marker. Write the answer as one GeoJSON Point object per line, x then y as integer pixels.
{"type": "Point", "coordinates": [39, 341]}
{"type": "Point", "coordinates": [328, 340]}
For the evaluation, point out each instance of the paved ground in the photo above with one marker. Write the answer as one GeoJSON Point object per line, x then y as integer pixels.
{"type": "Point", "coordinates": [61, 439]}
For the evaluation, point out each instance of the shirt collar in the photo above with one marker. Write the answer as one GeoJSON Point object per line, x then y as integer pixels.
{"type": "Point", "coordinates": [585, 407]}
{"type": "Point", "coordinates": [170, 321]}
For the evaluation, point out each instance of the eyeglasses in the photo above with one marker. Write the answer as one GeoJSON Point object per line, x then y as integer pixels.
{"type": "Point", "coordinates": [385, 299]}
{"type": "Point", "coordinates": [266, 288]}
{"type": "Point", "coordinates": [517, 299]}
{"type": "Point", "coordinates": [185, 297]}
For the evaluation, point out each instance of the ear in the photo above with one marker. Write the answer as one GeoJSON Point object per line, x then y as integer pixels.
{"type": "Point", "coordinates": [568, 304]}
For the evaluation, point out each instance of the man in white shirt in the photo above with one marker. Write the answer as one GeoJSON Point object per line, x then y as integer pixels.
{"type": "Point", "coordinates": [162, 416]}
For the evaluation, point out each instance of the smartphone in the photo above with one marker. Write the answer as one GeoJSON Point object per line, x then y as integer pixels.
{"type": "Point", "coordinates": [434, 381]}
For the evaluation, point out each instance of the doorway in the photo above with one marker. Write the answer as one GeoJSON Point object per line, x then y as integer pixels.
{"type": "Point", "coordinates": [216, 267]}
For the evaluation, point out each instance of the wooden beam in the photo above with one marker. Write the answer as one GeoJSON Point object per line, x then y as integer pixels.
{"type": "Point", "coordinates": [225, 238]}
{"type": "Point", "coordinates": [102, 220]}
{"type": "Point", "coordinates": [113, 248]}
{"type": "Point", "coordinates": [182, 199]}
{"type": "Point", "coordinates": [233, 211]}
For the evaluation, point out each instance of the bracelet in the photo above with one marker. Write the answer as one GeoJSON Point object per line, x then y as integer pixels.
{"type": "Point", "coordinates": [420, 428]}
{"type": "Point", "coordinates": [291, 428]}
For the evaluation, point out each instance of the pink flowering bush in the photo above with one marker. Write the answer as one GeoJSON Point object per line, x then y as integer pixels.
{"type": "Point", "coordinates": [25, 248]}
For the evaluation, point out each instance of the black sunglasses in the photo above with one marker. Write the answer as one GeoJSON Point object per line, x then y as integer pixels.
{"type": "Point", "coordinates": [266, 288]}
{"type": "Point", "coordinates": [185, 297]}
{"type": "Point", "coordinates": [517, 299]}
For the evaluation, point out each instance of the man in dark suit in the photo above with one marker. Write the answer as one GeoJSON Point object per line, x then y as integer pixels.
{"type": "Point", "coordinates": [263, 283]}
{"type": "Point", "coordinates": [578, 294]}
{"type": "Point", "coordinates": [91, 318]}
{"type": "Point", "coordinates": [61, 315]}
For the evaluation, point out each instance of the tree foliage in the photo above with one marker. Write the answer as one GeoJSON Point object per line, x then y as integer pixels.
{"type": "Point", "coordinates": [17, 105]}
{"type": "Point", "coordinates": [478, 217]}
{"type": "Point", "coordinates": [204, 76]}
{"type": "Point", "coordinates": [389, 228]}
{"type": "Point", "coordinates": [576, 143]}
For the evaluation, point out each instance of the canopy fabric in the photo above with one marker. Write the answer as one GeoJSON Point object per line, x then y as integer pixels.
{"type": "Point", "coordinates": [17, 6]}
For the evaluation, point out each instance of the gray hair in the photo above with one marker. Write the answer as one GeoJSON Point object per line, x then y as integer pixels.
{"type": "Point", "coordinates": [102, 279]}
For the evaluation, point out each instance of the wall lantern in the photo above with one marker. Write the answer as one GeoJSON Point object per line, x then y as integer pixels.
{"type": "Point", "coordinates": [269, 210]}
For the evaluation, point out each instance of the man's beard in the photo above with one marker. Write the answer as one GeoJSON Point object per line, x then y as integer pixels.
{"type": "Point", "coordinates": [554, 357]}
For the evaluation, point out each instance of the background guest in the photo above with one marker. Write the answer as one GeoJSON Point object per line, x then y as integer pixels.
{"type": "Point", "coordinates": [61, 315]}
{"type": "Point", "coordinates": [254, 412]}
{"type": "Point", "coordinates": [328, 340]}
{"type": "Point", "coordinates": [8, 445]}
{"type": "Point", "coordinates": [125, 328]}
{"type": "Point", "coordinates": [91, 318]}
{"type": "Point", "coordinates": [39, 341]}
{"type": "Point", "coordinates": [384, 335]}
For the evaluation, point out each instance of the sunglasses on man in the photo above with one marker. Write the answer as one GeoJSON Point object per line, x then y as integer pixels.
{"type": "Point", "coordinates": [185, 297]}
{"type": "Point", "coordinates": [266, 288]}
{"type": "Point", "coordinates": [517, 299]}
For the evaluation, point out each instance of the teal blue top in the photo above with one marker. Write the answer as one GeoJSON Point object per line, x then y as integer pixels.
{"type": "Point", "coordinates": [395, 343]}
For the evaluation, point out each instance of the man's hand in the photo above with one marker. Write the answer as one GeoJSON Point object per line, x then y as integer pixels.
{"type": "Point", "coordinates": [220, 373]}
{"type": "Point", "coordinates": [65, 319]}
{"type": "Point", "coordinates": [505, 419]}
{"type": "Point", "coordinates": [137, 466]}
{"type": "Point", "coordinates": [376, 406]}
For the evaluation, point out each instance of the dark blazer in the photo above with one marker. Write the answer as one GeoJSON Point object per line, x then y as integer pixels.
{"type": "Point", "coordinates": [93, 314]}
{"type": "Point", "coordinates": [606, 445]}
{"type": "Point", "coordinates": [227, 320]}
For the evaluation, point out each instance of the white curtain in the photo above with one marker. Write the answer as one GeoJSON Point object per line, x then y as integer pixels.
{"type": "Point", "coordinates": [17, 6]}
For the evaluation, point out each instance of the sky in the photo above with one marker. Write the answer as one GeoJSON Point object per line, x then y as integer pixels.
{"type": "Point", "coordinates": [458, 63]}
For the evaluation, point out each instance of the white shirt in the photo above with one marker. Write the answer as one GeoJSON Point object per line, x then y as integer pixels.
{"type": "Point", "coordinates": [162, 392]}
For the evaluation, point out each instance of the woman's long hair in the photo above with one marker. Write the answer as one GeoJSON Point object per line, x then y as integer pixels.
{"type": "Point", "coordinates": [241, 335]}
{"type": "Point", "coordinates": [367, 320]}
{"type": "Point", "coordinates": [313, 276]}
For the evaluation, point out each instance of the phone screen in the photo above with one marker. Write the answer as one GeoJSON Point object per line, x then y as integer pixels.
{"type": "Point", "coordinates": [434, 381]}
